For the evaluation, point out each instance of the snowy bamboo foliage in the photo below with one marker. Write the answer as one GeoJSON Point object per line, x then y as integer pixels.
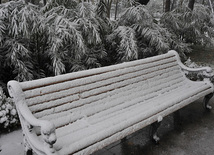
{"type": "Point", "coordinates": [75, 33]}
{"type": "Point", "coordinates": [16, 29]}
{"type": "Point", "coordinates": [60, 37]}
{"type": "Point", "coordinates": [189, 26]}
{"type": "Point", "coordinates": [70, 35]}
{"type": "Point", "coordinates": [137, 35]}
{"type": "Point", "coordinates": [127, 43]}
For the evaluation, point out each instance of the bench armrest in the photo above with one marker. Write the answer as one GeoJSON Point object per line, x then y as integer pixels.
{"type": "Point", "coordinates": [47, 128]}
{"type": "Point", "coordinates": [205, 71]}
{"type": "Point", "coordinates": [27, 119]}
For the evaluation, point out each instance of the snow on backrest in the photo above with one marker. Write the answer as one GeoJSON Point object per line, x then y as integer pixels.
{"type": "Point", "coordinates": [61, 93]}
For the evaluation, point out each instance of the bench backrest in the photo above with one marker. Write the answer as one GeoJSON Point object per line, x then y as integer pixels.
{"type": "Point", "coordinates": [55, 95]}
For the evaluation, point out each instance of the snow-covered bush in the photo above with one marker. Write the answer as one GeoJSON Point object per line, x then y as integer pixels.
{"type": "Point", "coordinates": [61, 37]}
{"type": "Point", "coordinates": [189, 26]}
{"type": "Point", "coordinates": [8, 114]}
{"type": "Point", "coordinates": [69, 35]}
{"type": "Point", "coordinates": [74, 36]}
{"type": "Point", "coordinates": [18, 23]}
{"type": "Point", "coordinates": [137, 36]}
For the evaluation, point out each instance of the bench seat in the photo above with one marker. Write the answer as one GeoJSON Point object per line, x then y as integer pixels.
{"type": "Point", "coordinates": [123, 119]}
{"type": "Point", "coordinates": [92, 109]}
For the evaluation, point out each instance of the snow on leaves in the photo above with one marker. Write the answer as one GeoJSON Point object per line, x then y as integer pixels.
{"type": "Point", "coordinates": [8, 113]}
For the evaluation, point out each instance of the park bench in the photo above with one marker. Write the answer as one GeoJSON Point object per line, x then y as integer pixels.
{"type": "Point", "coordinates": [82, 112]}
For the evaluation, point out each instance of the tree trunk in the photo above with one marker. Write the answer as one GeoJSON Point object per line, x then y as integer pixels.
{"type": "Point", "coordinates": [191, 4]}
{"type": "Point", "coordinates": [108, 4]}
{"type": "Point", "coordinates": [167, 6]}
{"type": "Point", "coordinates": [116, 8]}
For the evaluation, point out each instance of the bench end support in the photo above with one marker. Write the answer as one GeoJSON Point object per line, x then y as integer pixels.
{"type": "Point", "coordinates": [153, 132]}
{"type": "Point", "coordinates": [206, 101]}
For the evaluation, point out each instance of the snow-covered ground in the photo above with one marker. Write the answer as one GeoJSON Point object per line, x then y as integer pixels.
{"type": "Point", "coordinates": [11, 143]}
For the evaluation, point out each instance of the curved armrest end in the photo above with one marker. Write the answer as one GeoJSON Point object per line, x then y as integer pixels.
{"type": "Point", "coordinates": [15, 91]}
{"type": "Point", "coordinates": [47, 127]}
{"type": "Point", "coordinates": [48, 132]}
{"type": "Point", "coordinates": [206, 71]}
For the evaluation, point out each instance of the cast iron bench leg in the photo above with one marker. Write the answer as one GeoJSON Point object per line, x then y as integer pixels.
{"type": "Point", "coordinates": [206, 100]}
{"type": "Point", "coordinates": [153, 132]}
{"type": "Point", "coordinates": [29, 152]}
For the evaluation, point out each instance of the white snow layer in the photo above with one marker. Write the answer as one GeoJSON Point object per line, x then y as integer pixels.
{"type": "Point", "coordinates": [122, 119]}
{"type": "Point", "coordinates": [11, 143]}
{"type": "Point", "coordinates": [105, 92]}
{"type": "Point", "coordinates": [95, 86]}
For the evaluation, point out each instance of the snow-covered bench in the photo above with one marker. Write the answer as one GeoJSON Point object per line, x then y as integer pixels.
{"type": "Point", "coordinates": [81, 112]}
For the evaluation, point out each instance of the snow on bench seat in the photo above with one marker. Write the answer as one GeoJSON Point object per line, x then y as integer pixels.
{"type": "Point", "coordinates": [91, 109]}
{"type": "Point", "coordinates": [107, 124]}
